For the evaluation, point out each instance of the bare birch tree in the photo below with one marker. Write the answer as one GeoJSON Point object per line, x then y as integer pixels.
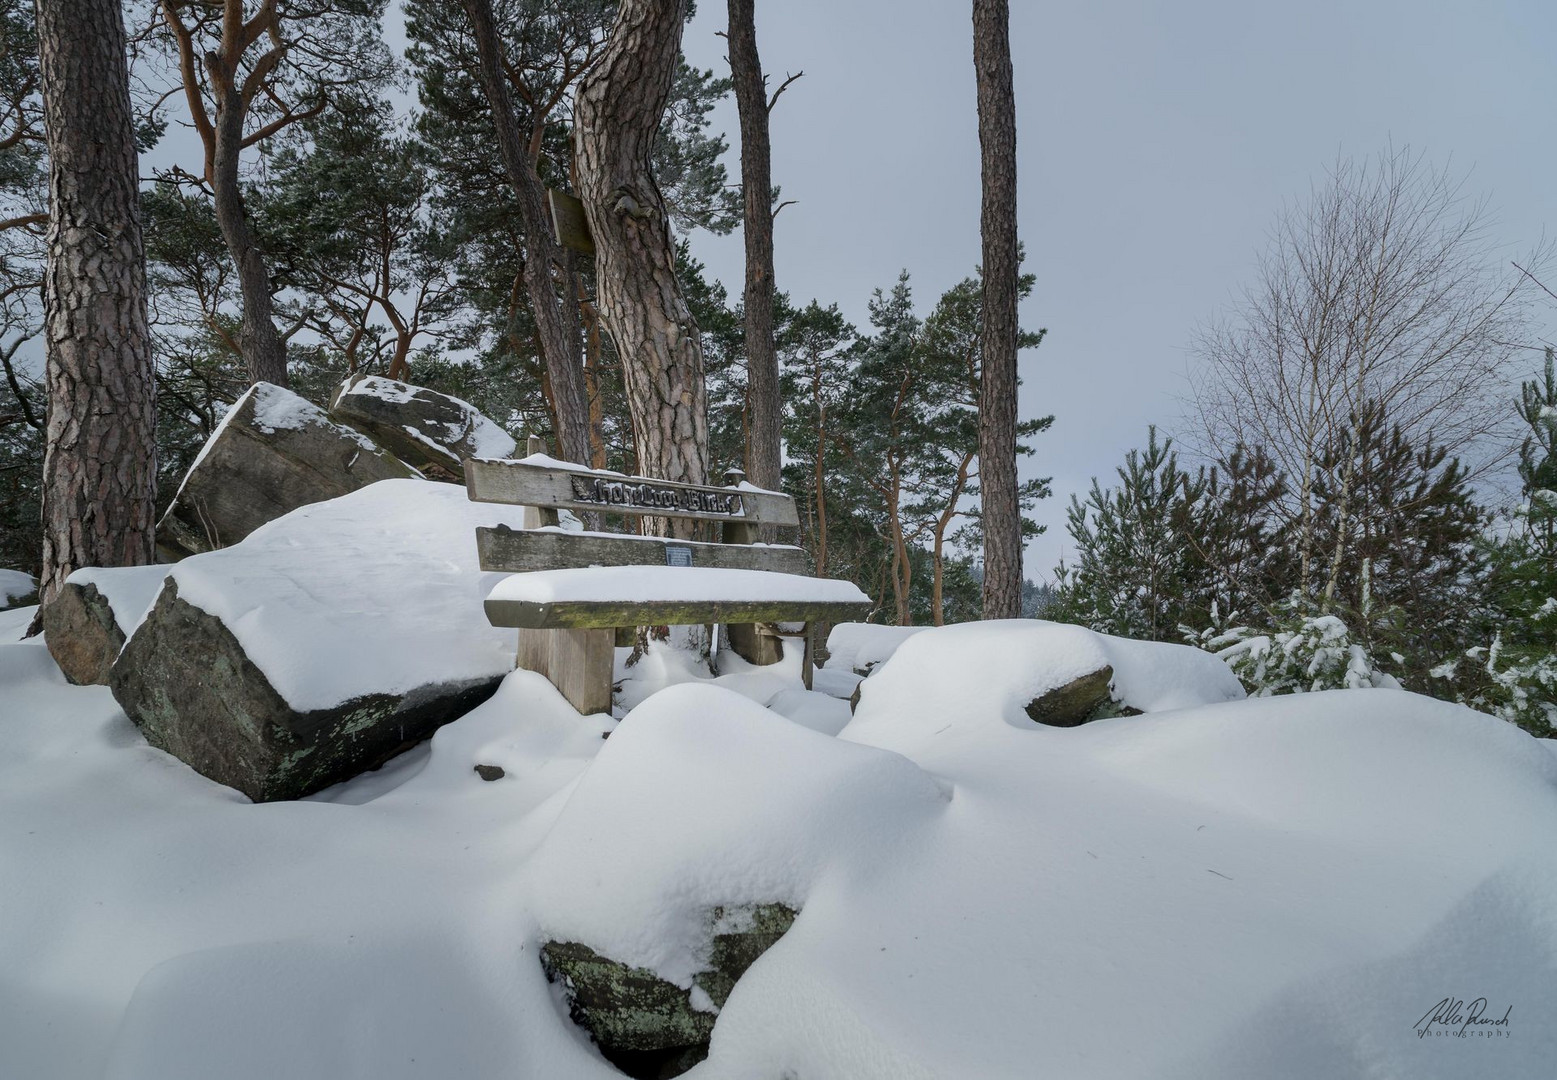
{"type": "Point", "coordinates": [1383, 289]}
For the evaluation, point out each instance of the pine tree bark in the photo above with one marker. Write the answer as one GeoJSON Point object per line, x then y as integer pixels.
{"type": "Point", "coordinates": [1002, 515]}
{"type": "Point", "coordinates": [99, 474]}
{"type": "Point", "coordinates": [616, 118]}
{"type": "Point", "coordinates": [556, 319]}
{"type": "Point", "coordinates": [763, 445]}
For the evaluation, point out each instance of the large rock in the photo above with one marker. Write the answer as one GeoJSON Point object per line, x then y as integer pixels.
{"type": "Point", "coordinates": [646, 1025]}
{"type": "Point", "coordinates": [97, 608]}
{"type": "Point", "coordinates": [192, 690]}
{"type": "Point", "coordinates": [432, 431]}
{"type": "Point", "coordinates": [273, 453]}
{"type": "Point", "coordinates": [1074, 702]}
{"type": "Point", "coordinates": [323, 643]}
{"type": "Point", "coordinates": [942, 683]}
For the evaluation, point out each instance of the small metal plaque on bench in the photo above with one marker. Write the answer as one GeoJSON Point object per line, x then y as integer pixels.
{"type": "Point", "coordinates": [678, 555]}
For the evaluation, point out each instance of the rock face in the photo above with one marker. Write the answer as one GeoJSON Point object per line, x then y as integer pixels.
{"type": "Point", "coordinates": [97, 608]}
{"type": "Point", "coordinates": [645, 1025]}
{"type": "Point", "coordinates": [1076, 702]}
{"type": "Point", "coordinates": [185, 681]}
{"type": "Point", "coordinates": [432, 431]}
{"type": "Point", "coordinates": [81, 633]}
{"type": "Point", "coordinates": [273, 453]}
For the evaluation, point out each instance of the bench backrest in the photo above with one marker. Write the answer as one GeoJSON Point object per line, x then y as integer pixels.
{"type": "Point", "coordinates": [546, 486]}
{"type": "Point", "coordinates": [557, 485]}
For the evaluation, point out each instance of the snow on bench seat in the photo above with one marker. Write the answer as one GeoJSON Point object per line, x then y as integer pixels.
{"type": "Point", "coordinates": [609, 596]}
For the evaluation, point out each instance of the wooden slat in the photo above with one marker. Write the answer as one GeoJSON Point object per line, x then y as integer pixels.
{"type": "Point", "coordinates": [521, 484]}
{"type": "Point", "coordinates": [516, 550]}
{"type": "Point", "coordinates": [580, 614]}
{"type": "Point", "coordinates": [569, 222]}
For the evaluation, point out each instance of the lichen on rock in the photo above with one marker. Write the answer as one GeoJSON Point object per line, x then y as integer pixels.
{"type": "Point", "coordinates": [646, 1025]}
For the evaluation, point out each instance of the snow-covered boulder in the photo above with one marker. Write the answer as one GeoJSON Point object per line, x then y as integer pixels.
{"type": "Point", "coordinates": [273, 452]}
{"type": "Point", "coordinates": [1024, 670]}
{"type": "Point", "coordinates": [96, 611]}
{"type": "Point", "coordinates": [17, 589]}
{"type": "Point", "coordinates": [705, 817]}
{"type": "Point", "coordinates": [430, 430]}
{"type": "Point", "coordinates": [862, 647]}
{"type": "Point", "coordinates": [649, 1026]}
{"type": "Point", "coordinates": [322, 644]}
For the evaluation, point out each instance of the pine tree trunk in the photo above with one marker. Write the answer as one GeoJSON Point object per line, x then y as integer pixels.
{"type": "Point", "coordinates": [617, 116]}
{"type": "Point", "coordinates": [99, 473]}
{"type": "Point", "coordinates": [763, 448]}
{"type": "Point", "coordinates": [997, 390]}
{"type": "Point", "coordinates": [820, 479]}
{"type": "Point", "coordinates": [902, 567]}
{"type": "Point", "coordinates": [264, 351]}
{"type": "Point", "coordinates": [556, 320]}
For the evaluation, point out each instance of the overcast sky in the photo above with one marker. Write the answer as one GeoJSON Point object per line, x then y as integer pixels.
{"type": "Point", "coordinates": [1156, 141]}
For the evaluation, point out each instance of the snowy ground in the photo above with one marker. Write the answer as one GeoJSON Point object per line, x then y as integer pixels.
{"type": "Point", "coordinates": [1276, 888]}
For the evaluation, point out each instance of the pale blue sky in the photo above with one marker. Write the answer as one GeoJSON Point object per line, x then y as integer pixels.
{"type": "Point", "coordinates": [1156, 142]}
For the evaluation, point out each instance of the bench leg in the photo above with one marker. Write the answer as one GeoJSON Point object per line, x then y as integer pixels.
{"type": "Point", "coordinates": [535, 651]}
{"type": "Point", "coordinates": [581, 667]}
{"type": "Point", "coordinates": [577, 662]}
{"type": "Point", "coordinates": [753, 646]}
{"type": "Point", "coordinates": [808, 658]}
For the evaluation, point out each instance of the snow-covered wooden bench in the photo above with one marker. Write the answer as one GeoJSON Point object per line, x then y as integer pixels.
{"type": "Point", "coordinates": [574, 595]}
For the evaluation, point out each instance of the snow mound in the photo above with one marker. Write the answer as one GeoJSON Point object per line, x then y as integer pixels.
{"type": "Point", "coordinates": [861, 646]}
{"type": "Point", "coordinates": [14, 585]}
{"type": "Point", "coordinates": [1275, 888]}
{"type": "Point", "coordinates": [942, 680]}
{"type": "Point", "coordinates": [703, 798]}
{"type": "Point", "coordinates": [377, 591]}
{"type": "Point", "coordinates": [14, 623]}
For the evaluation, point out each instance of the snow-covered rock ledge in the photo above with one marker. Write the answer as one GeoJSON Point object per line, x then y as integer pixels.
{"type": "Point", "coordinates": [273, 452]}
{"type": "Point", "coordinates": [435, 432]}
{"type": "Point", "coordinates": [323, 643]}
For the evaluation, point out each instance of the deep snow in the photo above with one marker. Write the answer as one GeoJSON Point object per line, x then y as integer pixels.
{"type": "Point", "coordinates": [1275, 888]}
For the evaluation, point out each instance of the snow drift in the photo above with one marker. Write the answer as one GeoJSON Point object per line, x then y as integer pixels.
{"type": "Point", "coordinates": [1279, 888]}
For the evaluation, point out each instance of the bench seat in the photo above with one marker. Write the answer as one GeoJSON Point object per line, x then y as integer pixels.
{"type": "Point", "coordinates": [626, 596]}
